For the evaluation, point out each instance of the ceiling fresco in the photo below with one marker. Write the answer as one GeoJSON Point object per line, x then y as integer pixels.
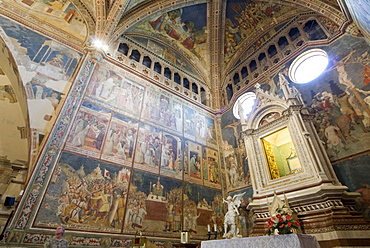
{"type": "Point", "coordinates": [183, 28]}
{"type": "Point", "coordinates": [204, 39]}
{"type": "Point", "coordinates": [61, 13]}
{"type": "Point", "coordinates": [246, 19]}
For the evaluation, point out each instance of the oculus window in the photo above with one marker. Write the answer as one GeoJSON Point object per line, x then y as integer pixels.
{"type": "Point", "coordinates": [308, 66]}
{"type": "Point", "coordinates": [244, 105]}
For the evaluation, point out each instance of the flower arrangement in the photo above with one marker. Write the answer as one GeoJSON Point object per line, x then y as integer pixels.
{"type": "Point", "coordinates": [282, 221]}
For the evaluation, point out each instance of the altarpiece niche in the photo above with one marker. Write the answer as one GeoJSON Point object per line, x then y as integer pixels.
{"type": "Point", "coordinates": [286, 155]}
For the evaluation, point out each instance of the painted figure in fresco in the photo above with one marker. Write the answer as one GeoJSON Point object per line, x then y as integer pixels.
{"type": "Point", "coordinates": [121, 149]}
{"type": "Point", "coordinates": [100, 130]}
{"type": "Point", "coordinates": [140, 215]}
{"type": "Point", "coordinates": [177, 120]}
{"type": "Point", "coordinates": [233, 203]}
{"type": "Point", "coordinates": [140, 155]}
{"type": "Point", "coordinates": [136, 209]}
{"type": "Point", "coordinates": [158, 188]}
{"type": "Point", "coordinates": [130, 138]}
{"type": "Point", "coordinates": [233, 169]}
{"type": "Point", "coordinates": [57, 61]}
{"type": "Point", "coordinates": [105, 89]}
{"type": "Point", "coordinates": [81, 129]}
{"type": "Point", "coordinates": [201, 128]}
{"type": "Point", "coordinates": [117, 208]}
{"type": "Point", "coordinates": [363, 202]}
{"type": "Point", "coordinates": [54, 99]}
{"type": "Point", "coordinates": [331, 134]}
{"type": "Point", "coordinates": [103, 202]}
{"type": "Point", "coordinates": [195, 165]}
{"type": "Point", "coordinates": [152, 154]}
{"type": "Point", "coordinates": [169, 217]}
{"type": "Point", "coordinates": [110, 141]}
{"type": "Point", "coordinates": [190, 216]}
{"type": "Point", "coordinates": [177, 216]}
{"type": "Point", "coordinates": [149, 153]}
{"type": "Point", "coordinates": [90, 199]}
{"type": "Point", "coordinates": [157, 152]}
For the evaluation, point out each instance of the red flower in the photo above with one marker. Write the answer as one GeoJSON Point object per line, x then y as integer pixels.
{"type": "Point", "coordinates": [296, 223]}
{"type": "Point", "coordinates": [289, 224]}
{"type": "Point", "coordinates": [288, 217]}
{"type": "Point", "coordinates": [282, 225]}
{"type": "Point", "coordinates": [270, 222]}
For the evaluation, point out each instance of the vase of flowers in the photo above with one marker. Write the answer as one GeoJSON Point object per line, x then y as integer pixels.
{"type": "Point", "coordinates": [283, 222]}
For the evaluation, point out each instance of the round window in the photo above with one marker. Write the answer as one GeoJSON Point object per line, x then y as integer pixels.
{"type": "Point", "coordinates": [308, 66]}
{"type": "Point", "coordinates": [246, 102]}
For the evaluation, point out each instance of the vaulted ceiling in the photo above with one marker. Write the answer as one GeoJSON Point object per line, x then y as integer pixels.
{"type": "Point", "coordinates": [211, 36]}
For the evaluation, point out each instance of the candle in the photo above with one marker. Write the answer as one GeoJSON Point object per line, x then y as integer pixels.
{"type": "Point", "coordinates": [215, 227]}
{"type": "Point", "coordinates": [209, 228]}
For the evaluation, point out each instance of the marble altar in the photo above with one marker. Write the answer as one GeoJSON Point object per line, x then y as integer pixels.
{"type": "Point", "coordinates": [275, 241]}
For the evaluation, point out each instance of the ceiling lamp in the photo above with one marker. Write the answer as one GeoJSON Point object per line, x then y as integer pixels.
{"type": "Point", "coordinates": [308, 66]}
{"type": "Point", "coordinates": [99, 44]}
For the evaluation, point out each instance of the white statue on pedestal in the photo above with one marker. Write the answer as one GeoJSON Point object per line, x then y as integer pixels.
{"type": "Point", "coordinates": [233, 203]}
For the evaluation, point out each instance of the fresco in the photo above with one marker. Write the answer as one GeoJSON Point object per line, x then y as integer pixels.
{"type": "Point", "coordinates": [352, 174]}
{"type": "Point", "coordinates": [162, 109]}
{"type": "Point", "coordinates": [116, 92]}
{"type": "Point", "coordinates": [85, 194]}
{"type": "Point", "coordinates": [189, 124]}
{"type": "Point", "coordinates": [148, 148]}
{"type": "Point", "coordinates": [193, 162]}
{"type": "Point", "coordinates": [109, 129]}
{"type": "Point", "coordinates": [120, 140]}
{"type": "Point", "coordinates": [340, 99]}
{"type": "Point", "coordinates": [202, 207]}
{"type": "Point", "coordinates": [46, 67]}
{"type": "Point", "coordinates": [89, 129]}
{"type": "Point", "coordinates": [61, 14]}
{"type": "Point", "coordinates": [171, 156]}
{"type": "Point", "coordinates": [243, 18]}
{"type": "Point", "coordinates": [211, 132]}
{"type": "Point", "coordinates": [185, 27]}
{"type": "Point", "coordinates": [211, 168]}
{"type": "Point", "coordinates": [149, 193]}
{"type": "Point", "coordinates": [234, 151]}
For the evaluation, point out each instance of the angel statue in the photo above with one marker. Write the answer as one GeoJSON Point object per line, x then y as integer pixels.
{"type": "Point", "coordinates": [233, 203]}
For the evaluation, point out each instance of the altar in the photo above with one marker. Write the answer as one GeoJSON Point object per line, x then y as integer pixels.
{"type": "Point", "coordinates": [275, 241]}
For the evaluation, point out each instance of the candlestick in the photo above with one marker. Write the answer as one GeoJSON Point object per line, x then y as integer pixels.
{"type": "Point", "coordinates": [215, 227]}
{"type": "Point", "coordinates": [209, 228]}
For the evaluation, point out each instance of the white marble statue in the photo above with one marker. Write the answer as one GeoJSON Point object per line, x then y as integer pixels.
{"type": "Point", "coordinates": [233, 203]}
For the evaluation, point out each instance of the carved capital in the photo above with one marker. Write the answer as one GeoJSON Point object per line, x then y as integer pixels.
{"type": "Point", "coordinates": [246, 132]}
{"type": "Point", "coordinates": [353, 29]}
{"type": "Point", "coordinates": [96, 54]}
